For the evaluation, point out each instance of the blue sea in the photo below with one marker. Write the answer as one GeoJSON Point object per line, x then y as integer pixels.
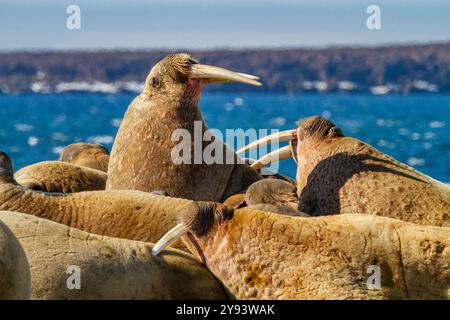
{"type": "Point", "coordinates": [414, 129]}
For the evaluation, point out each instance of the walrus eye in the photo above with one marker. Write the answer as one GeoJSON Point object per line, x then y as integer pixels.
{"type": "Point", "coordinates": [155, 82]}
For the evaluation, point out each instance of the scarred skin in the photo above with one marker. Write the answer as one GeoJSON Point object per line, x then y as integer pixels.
{"type": "Point", "coordinates": [141, 157]}
{"type": "Point", "coordinates": [90, 155]}
{"type": "Point", "coordinates": [15, 282]}
{"type": "Point", "coordinates": [124, 214]}
{"type": "Point", "coordinates": [260, 255]}
{"type": "Point", "coordinates": [57, 176]}
{"type": "Point", "coordinates": [110, 268]}
{"type": "Point", "coordinates": [338, 174]}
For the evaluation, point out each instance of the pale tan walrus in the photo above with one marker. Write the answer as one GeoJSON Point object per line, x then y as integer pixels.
{"type": "Point", "coordinates": [124, 214]}
{"type": "Point", "coordinates": [15, 282]}
{"type": "Point", "coordinates": [82, 167]}
{"type": "Point", "coordinates": [261, 255]}
{"type": "Point", "coordinates": [338, 174]}
{"type": "Point", "coordinates": [58, 176]}
{"type": "Point", "coordinates": [108, 268]}
{"type": "Point", "coordinates": [148, 153]}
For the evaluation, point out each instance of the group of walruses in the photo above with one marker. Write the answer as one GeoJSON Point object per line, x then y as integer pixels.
{"type": "Point", "coordinates": [354, 224]}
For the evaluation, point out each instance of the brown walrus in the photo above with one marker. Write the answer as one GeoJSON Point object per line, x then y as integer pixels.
{"type": "Point", "coordinates": [108, 268]}
{"type": "Point", "coordinates": [90, 155]}
{"type": "Point", "coordinates": [261, 255]}
{"type": "Point", "coordinates": [58, 176]}
{"type": "Point", "coordinates": [142, 157]}
{"type": "Point", "coordinates": [338, 174]}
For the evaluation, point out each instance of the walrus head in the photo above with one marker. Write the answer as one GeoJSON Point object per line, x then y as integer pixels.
{"type": "Point", "coordinates": [181, 74]}
{"type": "Point", "coordinates": [315, 129]}
{"type": "Point", "coordinates": [196, 221]}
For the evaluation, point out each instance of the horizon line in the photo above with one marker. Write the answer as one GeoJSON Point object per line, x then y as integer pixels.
{"type": "Point", "coordinates": [230, 48]}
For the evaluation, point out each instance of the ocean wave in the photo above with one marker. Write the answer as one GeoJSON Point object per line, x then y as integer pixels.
{"type": "Point", "coordinates": [84, 86]}
{"type": "Point", "coordinates": [416, 162]}
{"type": "Point", "coordinates": [102, 139]}
{"type": "Point", "coordinates": [23, 127]}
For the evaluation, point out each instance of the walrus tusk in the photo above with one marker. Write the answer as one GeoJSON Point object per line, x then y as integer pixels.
{"type": "Point", "coordinates": [216, 74]}
{"type": "Point", "coordinates": [170, 237]}
{"type": "Point", "coordinates": [250, 76]}
{"type": "Point", "coordinates": [282, 136]}
{"type": "Point", "coordinates": [277, 155]}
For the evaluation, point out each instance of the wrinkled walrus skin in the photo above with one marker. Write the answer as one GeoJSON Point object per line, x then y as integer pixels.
{"type": "Point", "coordinates": [110, 268]}
{"type": "Point", "coordinates": [338, 174]}
{"type": "Point", "coordinates": [57, 176]}
{"type": "Point", "coordinates": [142, 156]}
{"type": "Point", "coordinates": [124, 214]}
{"type": "Point", "coordinates": [260, 255]}
{"type": "Point", "coordinates": [15, 278]}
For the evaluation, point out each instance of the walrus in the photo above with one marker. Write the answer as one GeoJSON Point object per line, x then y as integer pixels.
{"type": "Point", "coordinates": [142, 156]}
{"type": "Point", "coordinates": [108, 268]}
{"type": "Point", "coordinates": [81, 167]}
{"type": "Point", "coordinates": [90, 155]}
{"type": "Point", "coordinates": [15, 278]}
{"type": "Point", "coordinates": [270, 194]}
{"type": "Point", "coordinates": [57, 176]}
{"type": "Point", "coordinates": [338, 174]}
{"type": "Point", "coordinates": [127, 214]}
{"type": "Point", "coordinates": [261, 255]}
{"type": "Point", "coordinates": [273, 195]}
{"type": "Point", "coordinates": [276, 193]}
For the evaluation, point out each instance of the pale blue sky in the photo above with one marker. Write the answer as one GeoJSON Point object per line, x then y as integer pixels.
{"type": "Point", "coordinates": [193, 24]}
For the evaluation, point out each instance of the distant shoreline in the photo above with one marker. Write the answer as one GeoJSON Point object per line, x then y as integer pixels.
{"type": "Point", "coordinates": [378, 70]}
{"type": "Point", "coordinates": [383, 45]}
